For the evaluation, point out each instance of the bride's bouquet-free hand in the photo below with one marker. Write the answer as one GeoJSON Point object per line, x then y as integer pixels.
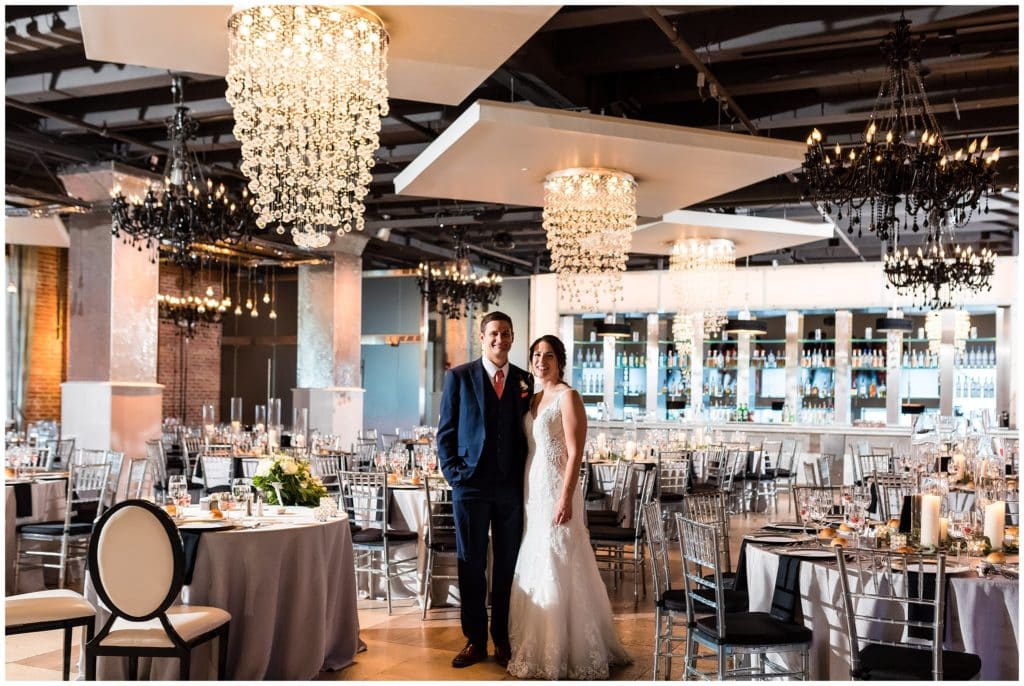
{"type": "Point", "coordinates": [297, 484]}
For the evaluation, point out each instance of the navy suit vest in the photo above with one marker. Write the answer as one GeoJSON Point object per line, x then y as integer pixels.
{"type": "Point", "coordinates": [504, 445]}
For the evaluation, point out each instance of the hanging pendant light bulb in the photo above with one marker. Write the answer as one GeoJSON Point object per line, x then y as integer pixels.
{"type": "Point", "coordinates": [273, 297]}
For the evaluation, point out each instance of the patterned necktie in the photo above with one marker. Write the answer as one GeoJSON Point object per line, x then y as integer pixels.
{"type": "Point", "coordinates": [499, 383]}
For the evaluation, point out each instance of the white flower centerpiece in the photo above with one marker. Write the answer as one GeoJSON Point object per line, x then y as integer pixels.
{"type": "Point", "coordinates": [297, 484]}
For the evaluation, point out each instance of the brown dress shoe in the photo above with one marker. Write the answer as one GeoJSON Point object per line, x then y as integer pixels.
{"type": "Point", "coordinates": [469, 655]}
{"type": "Point", "coordinates": [502, 654]}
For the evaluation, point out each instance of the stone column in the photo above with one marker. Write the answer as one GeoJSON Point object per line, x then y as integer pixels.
{"type": "Point", "coordinates": [329, 375]}
{"type": "Point", "coordinates": [794, 332]}
{"type": "Point", "coordinates": [111, 399]}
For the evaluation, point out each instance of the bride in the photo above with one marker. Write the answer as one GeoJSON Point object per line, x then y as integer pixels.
{"type": "Point", "coordinates": [560, 619]}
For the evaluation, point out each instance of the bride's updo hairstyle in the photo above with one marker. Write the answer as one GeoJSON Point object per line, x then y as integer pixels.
{"type": "Point", "coordinates": [559, 349]}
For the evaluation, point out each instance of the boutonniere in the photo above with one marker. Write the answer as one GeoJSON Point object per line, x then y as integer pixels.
{"type": "Point", "coordinates": [524, 388]}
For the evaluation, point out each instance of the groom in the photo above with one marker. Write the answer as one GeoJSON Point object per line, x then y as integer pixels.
{"type": "Point", "coordinates": [482, 449]}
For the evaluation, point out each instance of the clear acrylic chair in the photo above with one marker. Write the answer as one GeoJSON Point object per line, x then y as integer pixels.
{"type": "Point", "coordinates": [217, 472]}
{"type": "Point", "coordinates": [733, 637]}
{"type": "Point", "coordinates": [893, 607]}
{"type": "Point", "coordinates": [441, 538]}
{"type": "Point", "coordinates": [138, 470]}
{"type": "Point", "coordinates": [366, 498]}
{"type": "Point", "coordinates": [57, 544]}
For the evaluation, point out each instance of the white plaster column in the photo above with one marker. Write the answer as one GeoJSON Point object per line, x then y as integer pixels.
{"type": "Point", "coordinates": [841, 393]}
{"type": "Point", "coordinates": [329, 375]}
{"type": "Point", "coordinates": [111, 399]}
{"type": "Point", "coordinates": [794, 332]}
{"type": "Point", "coordinates": [697, 366]}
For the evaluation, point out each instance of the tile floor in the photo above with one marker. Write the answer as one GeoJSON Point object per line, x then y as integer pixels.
{"type": "Point", "coordinates": [403, 647]}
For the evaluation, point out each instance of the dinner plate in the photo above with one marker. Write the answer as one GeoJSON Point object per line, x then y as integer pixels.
{"type": "Point", "coordinates": [813, 553]}
{"type": "Point", "coordinates": [930, 567]}
{"type": "Point", "coordinates": [788, 526]}
{"type": "Point", "coordinates": [778, 539]}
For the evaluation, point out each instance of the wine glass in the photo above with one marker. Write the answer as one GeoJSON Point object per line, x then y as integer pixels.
{"type": "Point", "coordinates": [241, 490]}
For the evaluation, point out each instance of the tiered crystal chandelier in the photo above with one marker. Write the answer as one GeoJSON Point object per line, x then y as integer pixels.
{"type": "Point", "coordinates": [934, 278]}
{"type": "Point", "coordinates": [453, 289]}
{"type": "Point", "coordinates": [903, 163]}
{"type": "Point", "coordinates": [961, 330]}
{"type": "Point", "coordinates": [589, 216]}
{"type": "Point", "coordinates": [702, 271]}
{"type": "Point", "coordinates": [188, 211]}
{"type": "Point", "coordinates": [308, 87]}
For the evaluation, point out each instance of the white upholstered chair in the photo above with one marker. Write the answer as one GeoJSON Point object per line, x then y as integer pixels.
{"type": "Point", "coordinates": [137, 567]}
{"type": "Point", "coordinates": [48, 610]}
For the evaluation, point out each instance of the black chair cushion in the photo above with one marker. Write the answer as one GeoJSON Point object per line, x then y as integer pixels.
{"type": "Point", "coordinates": [897, 663]}
{"type": "Point", "coordinates": [612, 533]}
{"type": "Point", "coordinates": [402, 535]}
{"type": "Point", "coordinates": [594, 496]}
{"type": "Point", "coordinates": [754, 629]}
{"type": "Point", "coordinates": [603, 517]}
{"type": "Point", "coordinates": [671, 498]}
{"type": "Point", "coordinates": [443, 543]}
{"type": "Point", "coordinates": [773, 473]}
{"type": "Point", "coordinates": [367, 536]}
{"type": "Point", "coordinates": [353, 527]}
{"type": "Point", "coordinates": [704, 488]}
{"type": "Point", "coordinates": [674, 600]}
{"type": "Point", "coordinates": [56, 529]}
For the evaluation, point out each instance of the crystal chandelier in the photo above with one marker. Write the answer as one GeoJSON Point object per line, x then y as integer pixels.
{"type": "Point", "coordinates": [961, 330]}
{"type": "Point", "coordinates": [453, 289]}
{"type": "Point", "coordinates": [903, 162]}
{"type": "Point", "coordinates": [188, 210]}
{"type": "Point", "coordinates": [682, 333]}
{"type": "Point", "coordinates": [934, 278]}
{"type": "Point", "coordinates": [702, 271]}
{"type": "Point", "coordinates": [589, 216]}
{"type": "Point", "coordinates": [308, 87]}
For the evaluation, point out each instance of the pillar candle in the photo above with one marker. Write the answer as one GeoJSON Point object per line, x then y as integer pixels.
{"type": "Point", "coordinates": [995, 520]}
{"type": "Point", "coordinates": [929, 520]}
{"type": "Point", "coordinates": [959, 461]}
{"type": "Point", "coordinates": [630, 450]}
{"type": "Point", "coordinates": [601, 441]}
{"type": "Point", "coordinates": [943, 529]}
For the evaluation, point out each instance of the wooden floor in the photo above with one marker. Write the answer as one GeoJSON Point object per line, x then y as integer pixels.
{"type": "Point", "coordinates": [404, 647]}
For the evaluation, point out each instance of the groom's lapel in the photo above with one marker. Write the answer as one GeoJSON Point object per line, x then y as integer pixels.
{"type": "Point", "coordinates": [478, 375]}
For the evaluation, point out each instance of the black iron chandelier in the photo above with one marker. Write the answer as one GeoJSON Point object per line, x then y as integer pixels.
{"type": "Point", "coordinates": [190, 312]}
{"type": "Point", "coordinates": [453, 289]}
{"type": "Point", "coordinates": [933, 276]}
{"type": "Point", "coordinates": [189, 210]}
{"type": "Point", "coordinates": [903, 164]}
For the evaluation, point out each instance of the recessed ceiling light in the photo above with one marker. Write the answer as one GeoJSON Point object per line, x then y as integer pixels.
{"type": "Point", "coordinates": [524, 169]}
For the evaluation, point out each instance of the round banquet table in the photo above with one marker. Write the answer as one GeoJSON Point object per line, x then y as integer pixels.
{"type": "Point", "coordinates": [290, 588]}
{"type": "Point", "coordinates": [981, 615]}
{"type": "Point", "coordinates": [49, 501]}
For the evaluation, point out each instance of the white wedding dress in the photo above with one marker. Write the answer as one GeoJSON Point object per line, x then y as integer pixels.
{"type": "Point", "coordinates": [560, 619]}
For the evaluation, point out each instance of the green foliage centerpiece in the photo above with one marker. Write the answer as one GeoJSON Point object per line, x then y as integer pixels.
{"type": "Point", "coordinates": [296, 483]}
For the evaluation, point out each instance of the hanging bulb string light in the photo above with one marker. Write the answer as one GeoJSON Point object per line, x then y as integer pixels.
{"type": "Point", "coordinates": [273, 294]}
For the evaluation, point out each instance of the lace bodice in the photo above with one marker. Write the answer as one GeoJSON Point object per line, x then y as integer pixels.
{"type": "Point", "coordinates": [548, 451]}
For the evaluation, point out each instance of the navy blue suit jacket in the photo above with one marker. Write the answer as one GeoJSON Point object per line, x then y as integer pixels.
{"type": "Point", "coordinates": [461, 430]}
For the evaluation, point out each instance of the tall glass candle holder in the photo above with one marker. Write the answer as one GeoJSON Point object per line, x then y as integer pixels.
{"type": "Point", "coordinates": [300, 425]}
{"type": "Point", "coordinates": [259, 423]}
{"type": "Point", "coordinates": [274, 423]}
{"type": "Point", "coordinates": [236, 415]}
{"type": "Point", "coordinates": [209, 419]}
